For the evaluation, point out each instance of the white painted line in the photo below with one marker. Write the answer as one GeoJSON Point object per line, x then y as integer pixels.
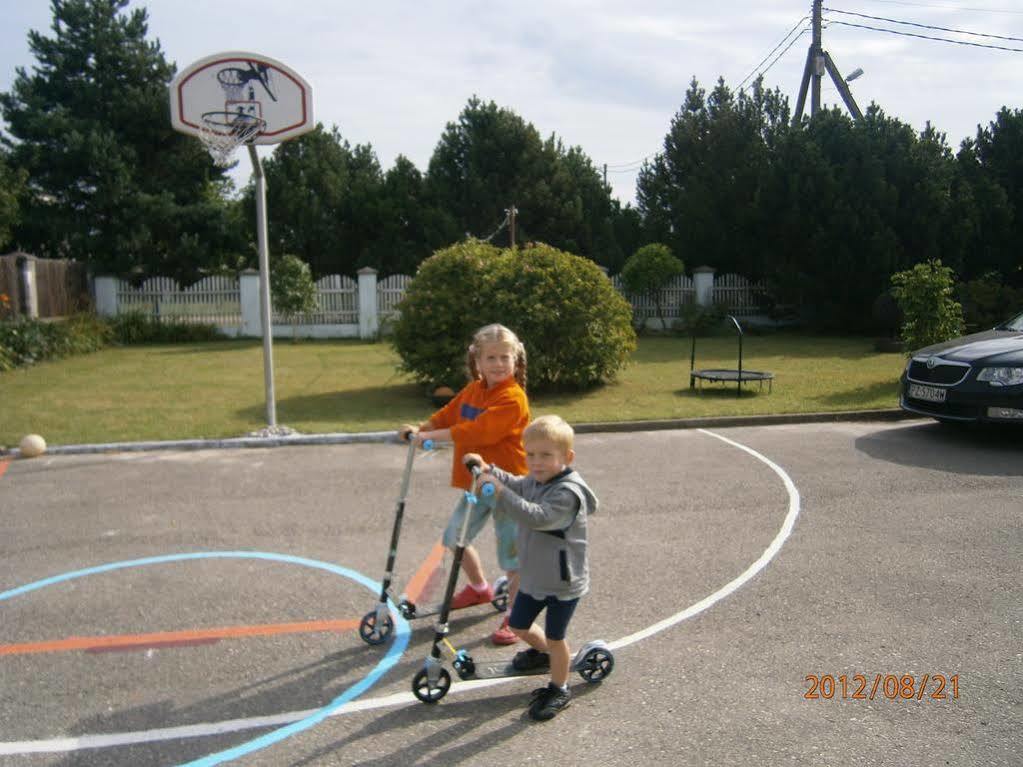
{"type": "Point", "coordinates": [405, 698]}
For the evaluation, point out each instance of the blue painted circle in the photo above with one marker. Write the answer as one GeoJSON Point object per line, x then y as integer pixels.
{"type": "Point", "coordinates": [393, 655]}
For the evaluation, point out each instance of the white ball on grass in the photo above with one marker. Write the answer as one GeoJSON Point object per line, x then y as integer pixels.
{"type": "Point", "coordinates": [32, 445]}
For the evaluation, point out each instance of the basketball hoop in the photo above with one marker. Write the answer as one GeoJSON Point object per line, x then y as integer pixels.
{"type": "Point", "coordinates": [223, 132]}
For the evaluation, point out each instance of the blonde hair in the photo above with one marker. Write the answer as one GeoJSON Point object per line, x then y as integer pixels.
{"type": "Point", "coordinates": [490, 334]}
{"type": "Point", "coordinates": [553, 428]}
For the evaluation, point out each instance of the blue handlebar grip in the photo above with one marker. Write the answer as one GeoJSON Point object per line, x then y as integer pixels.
{"type": "Point", "coordinates": [487, 489]}
{"type": "Point", "coordinates": [427, 444]}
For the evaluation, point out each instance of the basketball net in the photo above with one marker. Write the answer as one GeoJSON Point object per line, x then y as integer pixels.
{"type": "Point", "coordinates": [221, 145]}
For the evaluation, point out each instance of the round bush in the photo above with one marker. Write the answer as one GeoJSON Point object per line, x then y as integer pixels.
{"type": "Point", "coordinates": [576, 327]}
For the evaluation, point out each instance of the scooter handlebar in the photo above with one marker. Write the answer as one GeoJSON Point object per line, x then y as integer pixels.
{"type": "Point", "coordinates": [488, 487]}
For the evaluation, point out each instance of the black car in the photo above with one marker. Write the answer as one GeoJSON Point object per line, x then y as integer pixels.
{"type": "Point", "coordinates": [974, 378]}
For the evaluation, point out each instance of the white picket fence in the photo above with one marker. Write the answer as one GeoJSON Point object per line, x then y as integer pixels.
{"type": "Point", "coordinates": [212, 300]}
{"type": "Point", "coordinates": [742, 297]}
{"type": "Point", "coordinates": [337, 303]}
{"type": "Point", "coordinates": [676, 294]}
{"type": "Point", "coordinates": [224, 302]}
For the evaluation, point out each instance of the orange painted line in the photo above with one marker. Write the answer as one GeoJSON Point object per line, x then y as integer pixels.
{"type": "Point", "coordinates": [415, 587]}
{"type": "Point", "coordinates": [142, 641]}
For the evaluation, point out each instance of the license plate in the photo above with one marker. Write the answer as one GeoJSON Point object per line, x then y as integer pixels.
{"type": "Point", "coordinates": [927, 393]}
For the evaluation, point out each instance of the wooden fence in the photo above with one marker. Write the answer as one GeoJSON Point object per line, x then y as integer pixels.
{"type": "Point", "coordinates": [61, 286]}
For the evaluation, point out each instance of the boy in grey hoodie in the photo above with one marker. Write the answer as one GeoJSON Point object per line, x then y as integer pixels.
{"type": "Point", "coordinates": [551, 505]}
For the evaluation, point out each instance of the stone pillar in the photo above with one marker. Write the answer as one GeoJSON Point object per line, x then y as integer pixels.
{"type": "Point", "coordinates": [27, 278]}
{"type": "Point", "coordinates": [369, 324]}
{"type": "Point", "coordinates": [105, 293]}
{"type": "Point", "coordinates": [248, 289]}
{"type": "Point", "coordinates": [703, 283]}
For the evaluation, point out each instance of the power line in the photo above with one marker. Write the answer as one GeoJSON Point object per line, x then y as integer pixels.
{"type": "Point", "coordinates": [927, 37]}
{"type": "Point", "coordinates": [925, 26]}
{"type": "Point", "coordinates": [794, 41]}
{"type": "Point", "coordinates": [634, 162]}
{"type": "Point", "coordinates": [779, 45]}
{"type": "Point", "coordinates": [946, 7]}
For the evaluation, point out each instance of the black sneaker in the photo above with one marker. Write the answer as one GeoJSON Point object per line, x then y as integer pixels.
{"type": "Point", "coordinates": [531, 660]}
{"type": "Point", "coordinates": [549, 702]}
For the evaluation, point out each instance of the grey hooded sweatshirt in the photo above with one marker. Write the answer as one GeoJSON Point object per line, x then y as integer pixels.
{"type": "Point", "coordinates": [553, 557]}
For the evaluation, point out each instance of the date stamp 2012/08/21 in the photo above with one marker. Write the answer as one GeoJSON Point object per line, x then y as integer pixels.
{"type": "Point", "coordinates": [923, 687]}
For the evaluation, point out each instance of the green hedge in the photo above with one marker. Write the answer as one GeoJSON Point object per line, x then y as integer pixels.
{"type": "Point", "coordinates": [576, 327]}
{"type": "Point", "coordinates": [26, 341]}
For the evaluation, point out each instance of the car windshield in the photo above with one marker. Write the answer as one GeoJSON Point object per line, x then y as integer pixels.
{"type": "Point", "coordinates": [1016, 323]}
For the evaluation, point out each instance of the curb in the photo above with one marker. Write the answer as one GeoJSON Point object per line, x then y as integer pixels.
{"type": "Point", "coordinates": [379, 437]}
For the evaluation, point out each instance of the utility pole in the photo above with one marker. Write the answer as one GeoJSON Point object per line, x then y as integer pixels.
{"type": "Point", "coordinates": [818, 61]}
{"type": "Point", "coordinates": [605, 175]}
{"type": "Point", "coordinates": [511, 224]}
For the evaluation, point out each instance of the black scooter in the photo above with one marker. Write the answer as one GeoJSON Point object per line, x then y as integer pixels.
{"type": "Point", "coordinates": [376, 625]}
{"type": "Point", "coordinates": [594, 661]}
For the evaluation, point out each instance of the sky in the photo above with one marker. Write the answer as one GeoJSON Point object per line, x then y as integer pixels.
{"type": "Point", "coordinates": [605, 76]}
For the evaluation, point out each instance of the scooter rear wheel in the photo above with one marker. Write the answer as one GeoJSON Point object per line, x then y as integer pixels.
{"type": "Point", "coordinates": [597, 664]}
{"type": "Point", "coordinates": [500, 600]}
{"type": "Point", "coordinates": [373, 634]}
{"type": "Point", "coordinates": [426, 692]}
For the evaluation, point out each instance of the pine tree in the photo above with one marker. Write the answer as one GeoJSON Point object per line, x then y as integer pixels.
{"type": "Point", "coordinates": [109, 181]}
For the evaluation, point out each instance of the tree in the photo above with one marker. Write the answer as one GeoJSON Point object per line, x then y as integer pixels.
{"type": "Point", "coordinates": [700, 194]}
{"type": "Point", "coordinates": [109, 181]}
{"type": "Point", "coordinates": [324, 201]}
{"type": "Point", "coordinates": [991, 195]}
{"type": "Point", "coordinates": [492, 159]}
{"type": "Point", "coordinates": [648, 271]}
{"type": "Point", "coordinates": [292, 289]}
{"type": "Point", "coordinates": [12, 183]}
{"type": "Point", "coordinates": [931, 313]}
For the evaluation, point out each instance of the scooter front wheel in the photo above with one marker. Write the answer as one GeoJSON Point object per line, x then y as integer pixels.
{"type": "Point", "coordinates": [373, 634]}
{"type": "Point", "coordinates": [427, 692]}
{"type": "Point", "coordinates": [597, 664]}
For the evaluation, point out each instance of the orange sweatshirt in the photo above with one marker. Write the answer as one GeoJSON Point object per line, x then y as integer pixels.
{"type": "Point", "coordinates": [489, 422]}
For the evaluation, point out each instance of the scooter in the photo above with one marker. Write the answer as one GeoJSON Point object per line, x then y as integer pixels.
{"type": "Point", "coordinates": [594, 661]}
{"type": "Point", "coordinates": [376, 625]}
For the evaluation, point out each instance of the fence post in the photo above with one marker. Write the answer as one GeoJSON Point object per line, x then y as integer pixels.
{"type": "Point", "coordinates": [703, 285]}
{"type": "Point", "coordinates": [27, 277]}
{"type": "Point", "coordinates": [368, 320]}
{"type": "Point", "coordinates": [248, 293]}
{"type": "Point", "coordinates": [105, 292]}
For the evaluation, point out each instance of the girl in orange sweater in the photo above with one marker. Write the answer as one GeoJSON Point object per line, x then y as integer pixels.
{"type": "Point", "coordinates": [486, 417]}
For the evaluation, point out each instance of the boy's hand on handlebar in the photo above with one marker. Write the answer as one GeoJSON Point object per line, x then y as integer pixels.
{"type": "Point", "coordinates": [487, 478]}
{"type": "Point", "coordinates": [405, 430]}
{"type": "Point", "coordinates": [475, 458]}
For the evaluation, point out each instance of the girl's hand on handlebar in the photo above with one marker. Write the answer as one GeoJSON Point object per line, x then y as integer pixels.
{"type": "Point", "coordinates": [470, 458]}
{"type": "Point", "coordinates": [405, 430]}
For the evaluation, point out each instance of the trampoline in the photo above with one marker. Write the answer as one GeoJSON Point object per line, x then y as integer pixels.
{"type": "Point", "coordinates": [738, 376]}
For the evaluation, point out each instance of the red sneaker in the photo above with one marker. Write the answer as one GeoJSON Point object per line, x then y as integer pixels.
{"type": "Point", "coordinates": [504, 635]}
{"type": "Point", "coordinates": [469, 596]}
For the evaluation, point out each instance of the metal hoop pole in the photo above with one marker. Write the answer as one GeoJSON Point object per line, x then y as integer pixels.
{"type": "Point", "coordinates": [265, 306]}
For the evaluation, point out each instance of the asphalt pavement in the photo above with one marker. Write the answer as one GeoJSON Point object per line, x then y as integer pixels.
{"type": "Point", "coordinates": [802, 594]}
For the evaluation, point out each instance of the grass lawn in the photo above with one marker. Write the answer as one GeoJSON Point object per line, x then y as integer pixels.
{"type": "Point", "coordinates": [216, 389]}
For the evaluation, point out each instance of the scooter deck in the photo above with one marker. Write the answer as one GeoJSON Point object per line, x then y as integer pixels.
{"type": "Point", "coordinates": [430, 610]}
{"type": "Point", "coordinates": [501, 670]}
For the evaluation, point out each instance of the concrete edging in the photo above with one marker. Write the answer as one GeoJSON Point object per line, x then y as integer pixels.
{"type": "Point", "coordinates": [341, 438]}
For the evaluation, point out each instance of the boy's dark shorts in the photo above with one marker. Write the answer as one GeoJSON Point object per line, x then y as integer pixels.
{"type": "Point", "coordinates": [559, 613]}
